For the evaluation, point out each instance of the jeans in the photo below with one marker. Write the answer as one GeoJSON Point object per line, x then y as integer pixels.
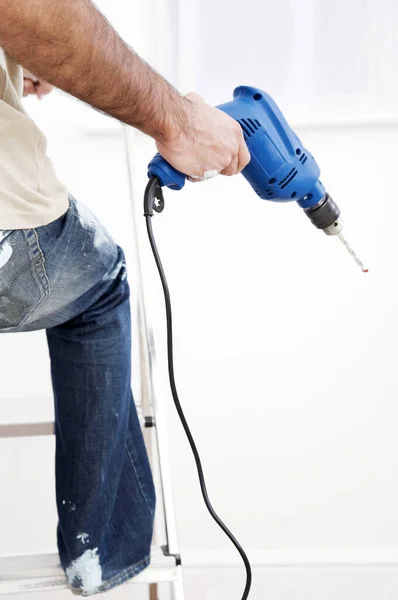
{"type": "Point", "coordinates": [69, 278]}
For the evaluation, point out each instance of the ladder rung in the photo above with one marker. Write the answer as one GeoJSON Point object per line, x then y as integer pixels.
{"type": "Point", "coordinates": [13, 430]}
{"type": "Point", "coordinates": [40, 573]}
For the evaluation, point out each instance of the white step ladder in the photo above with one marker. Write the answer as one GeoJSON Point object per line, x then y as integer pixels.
{"type": "Point", "coordinates": [42, 572]}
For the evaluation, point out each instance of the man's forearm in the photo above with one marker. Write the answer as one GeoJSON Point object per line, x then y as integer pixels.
{"type": "Point", "coordinates": [71, 45]}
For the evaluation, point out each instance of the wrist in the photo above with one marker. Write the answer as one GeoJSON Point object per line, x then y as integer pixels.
{"type": "Point", "coordinates": [176, 121]}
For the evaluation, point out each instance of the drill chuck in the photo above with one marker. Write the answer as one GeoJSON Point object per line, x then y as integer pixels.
{"type": "Point", "coordinates": [325, 215]}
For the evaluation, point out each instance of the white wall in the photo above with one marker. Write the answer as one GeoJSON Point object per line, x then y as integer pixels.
{"type": "Point", "coordinates": [284, 350]}
{"type": "Point", "coordinates": [324, 60]}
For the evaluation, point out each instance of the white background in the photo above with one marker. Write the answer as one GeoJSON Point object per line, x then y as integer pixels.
{"type": "Point", "coordinates": [285, 351]}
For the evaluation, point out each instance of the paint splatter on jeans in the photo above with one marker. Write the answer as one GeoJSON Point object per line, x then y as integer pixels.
{"type": "Point", "coordinates": [69, 278]}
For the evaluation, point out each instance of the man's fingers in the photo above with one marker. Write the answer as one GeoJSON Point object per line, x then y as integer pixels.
{"type": "Point", "coordinates": [243, 155]}
{"type": "Point", "coordinates": [207, 175]}
{"type": "Point", "coordinates": [28, 87]}
{"type": "Point", "coordinates": [36, 88]}
{"type": "Point", "coordinates": [232, 169]}
{"type": "Point", "coordinates": [43, 88]}
{"type": "Point", "coordinates": [241, 160]}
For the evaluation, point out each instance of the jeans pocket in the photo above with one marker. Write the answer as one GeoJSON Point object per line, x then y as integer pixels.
{"type": "Point", "coordinates": [23, 279]}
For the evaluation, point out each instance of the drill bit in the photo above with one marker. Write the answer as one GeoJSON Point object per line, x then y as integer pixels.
{"type": "Point", "coordinates": [351, 251]}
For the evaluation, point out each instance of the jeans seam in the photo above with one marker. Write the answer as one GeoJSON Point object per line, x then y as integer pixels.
{"type": "Point", "coordinates": [151, 513]}
{"type": "Point", "coordinates": [43, 263]}
{"type": "Point", "coordinates": [125, 574]}
{"type": "Point", "coordinates": [38, 270]}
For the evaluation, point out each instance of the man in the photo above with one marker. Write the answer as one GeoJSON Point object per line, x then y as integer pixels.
{"type": "Point", "coordinates": [61, 271]}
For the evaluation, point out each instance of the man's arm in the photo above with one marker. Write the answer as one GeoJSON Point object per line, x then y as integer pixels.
{"type": "Point", "coordinates": [70, 44]}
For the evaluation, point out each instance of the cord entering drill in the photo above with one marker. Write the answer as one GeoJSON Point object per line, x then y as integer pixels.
{"type": "Point", "coordinates": [351, 251]}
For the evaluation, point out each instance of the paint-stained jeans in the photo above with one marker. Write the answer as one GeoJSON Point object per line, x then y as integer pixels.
{"type": "Point", "coordinates": [69, 278]}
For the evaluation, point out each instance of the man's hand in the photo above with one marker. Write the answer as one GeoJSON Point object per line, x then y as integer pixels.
{"type": "Point", "coordinates": [32, 85]}
{"type": "Point", "coordinates": [210, 143]}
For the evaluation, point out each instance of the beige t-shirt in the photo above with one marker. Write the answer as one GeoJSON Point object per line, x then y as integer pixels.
{"type": "Point", "coordinates": [30, 193]}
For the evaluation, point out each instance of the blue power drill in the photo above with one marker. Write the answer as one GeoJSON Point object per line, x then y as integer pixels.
{"type": "Point", "coordinates": [280, 169]}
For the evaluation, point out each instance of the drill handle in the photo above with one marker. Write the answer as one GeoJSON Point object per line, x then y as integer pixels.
{"type": "Point", "coordinates": [167, 175]}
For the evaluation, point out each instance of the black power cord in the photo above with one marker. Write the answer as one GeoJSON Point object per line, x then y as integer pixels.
{"type": "Point", "coordinates": [153, 201]}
